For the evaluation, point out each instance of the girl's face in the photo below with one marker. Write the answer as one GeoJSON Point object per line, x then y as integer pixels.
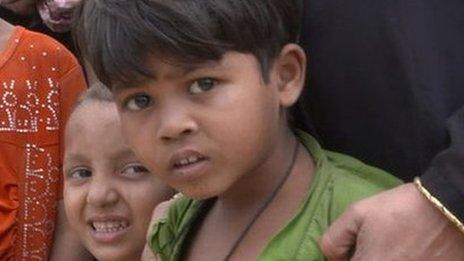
{"type": "Point", "coordinates": [108, 194]}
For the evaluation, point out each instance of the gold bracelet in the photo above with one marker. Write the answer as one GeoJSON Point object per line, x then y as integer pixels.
{"type": "Point", "coordinates": [450, 216]}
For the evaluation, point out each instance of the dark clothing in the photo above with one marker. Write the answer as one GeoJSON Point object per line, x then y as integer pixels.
{"type": "Point", "coordinates": [385, 78]}
{"type": "Point", "coordinates": [15, 19]}
{"type": "Point", "coordinates": [34, 23]}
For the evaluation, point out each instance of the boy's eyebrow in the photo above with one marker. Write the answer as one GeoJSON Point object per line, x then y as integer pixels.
{"type": "Point", "coordinates": [184, 69]}
{"type": "Point", "coordinates": [191, 67]}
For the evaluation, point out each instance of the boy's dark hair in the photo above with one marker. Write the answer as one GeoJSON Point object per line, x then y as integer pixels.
{"type": "Point", "coordinates": [118, 36]}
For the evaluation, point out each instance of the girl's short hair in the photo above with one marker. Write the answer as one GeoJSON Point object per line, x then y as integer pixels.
{"type": "Point", "coordinates": [97, 92]}
{"type": "Point", "coordinates": [118, 36]}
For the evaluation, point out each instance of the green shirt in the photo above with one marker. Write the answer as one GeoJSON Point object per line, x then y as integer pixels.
{"type": "Point", "coordinates": [339, 180]}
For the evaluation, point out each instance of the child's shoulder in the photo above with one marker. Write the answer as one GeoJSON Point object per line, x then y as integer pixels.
{"type": "Point", "coordinates": [346, 171]}
{"type": "Point", "coordinates": [167, 234]}
{"type": "Point", "coordinates": [353, 173]}
{"type": "Point", "coordinates": [42, 49]}
{"type": "Point", "coordinates": [33, 40]}
{"type": "Point", "coordinates": [180, 207]}
{"type": "Point", "coordinates": [342, 180]}
{"type": "Point", "coordinates": [352, 180]}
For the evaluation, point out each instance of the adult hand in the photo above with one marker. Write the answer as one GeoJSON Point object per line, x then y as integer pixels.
{"type": "Point", "coordinates": [399, 224]}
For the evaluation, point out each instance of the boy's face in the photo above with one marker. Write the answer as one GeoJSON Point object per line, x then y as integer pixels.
{"type": "Point", "coordinates": [201, 129]}
{"type": "Point", "coordinates": [108, 194]}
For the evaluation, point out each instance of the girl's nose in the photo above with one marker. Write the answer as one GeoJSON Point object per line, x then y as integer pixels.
{"type": "Point", "coordinates": [102, 194]}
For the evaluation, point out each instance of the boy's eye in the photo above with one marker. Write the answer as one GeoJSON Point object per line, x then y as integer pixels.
{"type": "Point", "coordinates": [80, 173]}
{"type": "Point", "coordinates": [134, 170]}
{"type": "Point", "coordinates": [138, 102]}
{"type": "Point", "coordinates": [202, 85]}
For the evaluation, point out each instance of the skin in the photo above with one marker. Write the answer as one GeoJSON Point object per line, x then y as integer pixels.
{"type": "Point", "coordinates": [159, 212]}
{"type": "Point", "coordinates": [6, 30]}
{"type": "Point", "coordinates": [375, 225]}
{"type": "Point", "coordinates": [374, 229]}
{"type": "Point", "coordinates": [66, 244]}
{"type": "Point", "coordinates": [226, 113]}
{"type": "Point", "coordinates": [59, 15]}
{"type": "Point", "coordinates": [105, 182]}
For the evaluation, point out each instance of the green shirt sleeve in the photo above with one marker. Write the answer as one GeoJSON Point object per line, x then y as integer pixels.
{"type": "Point", "coordinates": [166, 235]}
{"type": "Point", "coordinates": [339, 180]}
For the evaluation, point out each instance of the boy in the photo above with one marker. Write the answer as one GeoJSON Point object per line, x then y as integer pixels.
{"type": "Point", "coordinates": [39, 81]}
{"type": "Point", "coordinates": [203, 88]}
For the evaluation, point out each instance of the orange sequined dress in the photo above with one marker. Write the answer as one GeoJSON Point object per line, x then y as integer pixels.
{"type": "Point", "coordinates": [39, 83]}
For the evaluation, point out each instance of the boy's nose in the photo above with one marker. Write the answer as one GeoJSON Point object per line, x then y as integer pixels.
{"type": "Point", "coordinates": [101, 194]}
{"type": "Point", "coordinates": [176, 123]}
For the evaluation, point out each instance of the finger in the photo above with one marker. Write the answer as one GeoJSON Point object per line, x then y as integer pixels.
{"type": "Point", "coordinates": [160, 211]}
{"type": "Point", "coordinates": [147, 254]}
{"type": "Point", "coordinates": [339, 240]}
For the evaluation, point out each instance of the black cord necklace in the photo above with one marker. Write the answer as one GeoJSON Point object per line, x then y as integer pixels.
{"type": "Point", "coordinates": [266, 203]}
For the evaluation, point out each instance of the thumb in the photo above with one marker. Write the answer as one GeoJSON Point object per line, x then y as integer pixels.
{"type": "Point", "coordinates": [147, 254]}
{"type": "Point", "coordinates": [339, 240]}
{"type": "Point", "coordinates": [161, 210]}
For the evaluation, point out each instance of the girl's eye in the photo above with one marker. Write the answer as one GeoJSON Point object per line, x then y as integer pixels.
{"type": "Point", "coordinates": [202, 85]}
{"type": "Point", "coordinates": [80, 173]}
{"type": "Point", "coordinates": [138, 102]}
{"type": "Point", "coordinates": [134, 170]}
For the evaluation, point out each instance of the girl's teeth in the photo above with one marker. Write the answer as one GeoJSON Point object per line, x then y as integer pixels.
{"type": "Point", "coordinates": [109, 227]}
{"type": "Point", "coordinates": [192, 159]}
{"type": "Point", "coordinates": [184, 162]}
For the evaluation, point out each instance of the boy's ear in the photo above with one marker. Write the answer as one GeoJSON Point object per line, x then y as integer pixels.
{"type": "Point", "coordinates": [290, 72]}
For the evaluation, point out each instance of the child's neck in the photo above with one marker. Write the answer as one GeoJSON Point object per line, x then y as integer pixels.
{"type": "Point", "coordinates": [234, 211]}
{"type": "Point", "coordinates": [254, 188]}
{"type": "Point", "coordinates": [6, 30]}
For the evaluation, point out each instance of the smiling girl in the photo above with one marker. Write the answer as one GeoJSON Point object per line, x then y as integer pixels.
{"type": "Point", "coordinates": [109, 195]}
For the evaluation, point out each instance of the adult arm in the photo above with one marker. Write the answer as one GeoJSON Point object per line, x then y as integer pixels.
{"type": "Point", "coordinates": [384, 77]}
{"type": "Point", "coordinates": [445, 177]}
{"type": "Point", "coordinates": [402, 224]}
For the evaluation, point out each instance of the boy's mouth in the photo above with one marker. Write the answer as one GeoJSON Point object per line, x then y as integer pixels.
{"type": "Point", "coordinates": [185, 159]}
{"type": "Point", "coordinates": [188, 161]}
{"type": "Point", "coordinates": [188, 165]}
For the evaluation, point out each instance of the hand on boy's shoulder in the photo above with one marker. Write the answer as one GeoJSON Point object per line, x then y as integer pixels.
{"type": "Point", "coordinates": [148, 255]}
{"type": "Point", "coordinates": [161, 211]}
{"type": "Point", "coordinates": [158, 213]}
{"type": "Point", "coordinates": [398, 224]}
